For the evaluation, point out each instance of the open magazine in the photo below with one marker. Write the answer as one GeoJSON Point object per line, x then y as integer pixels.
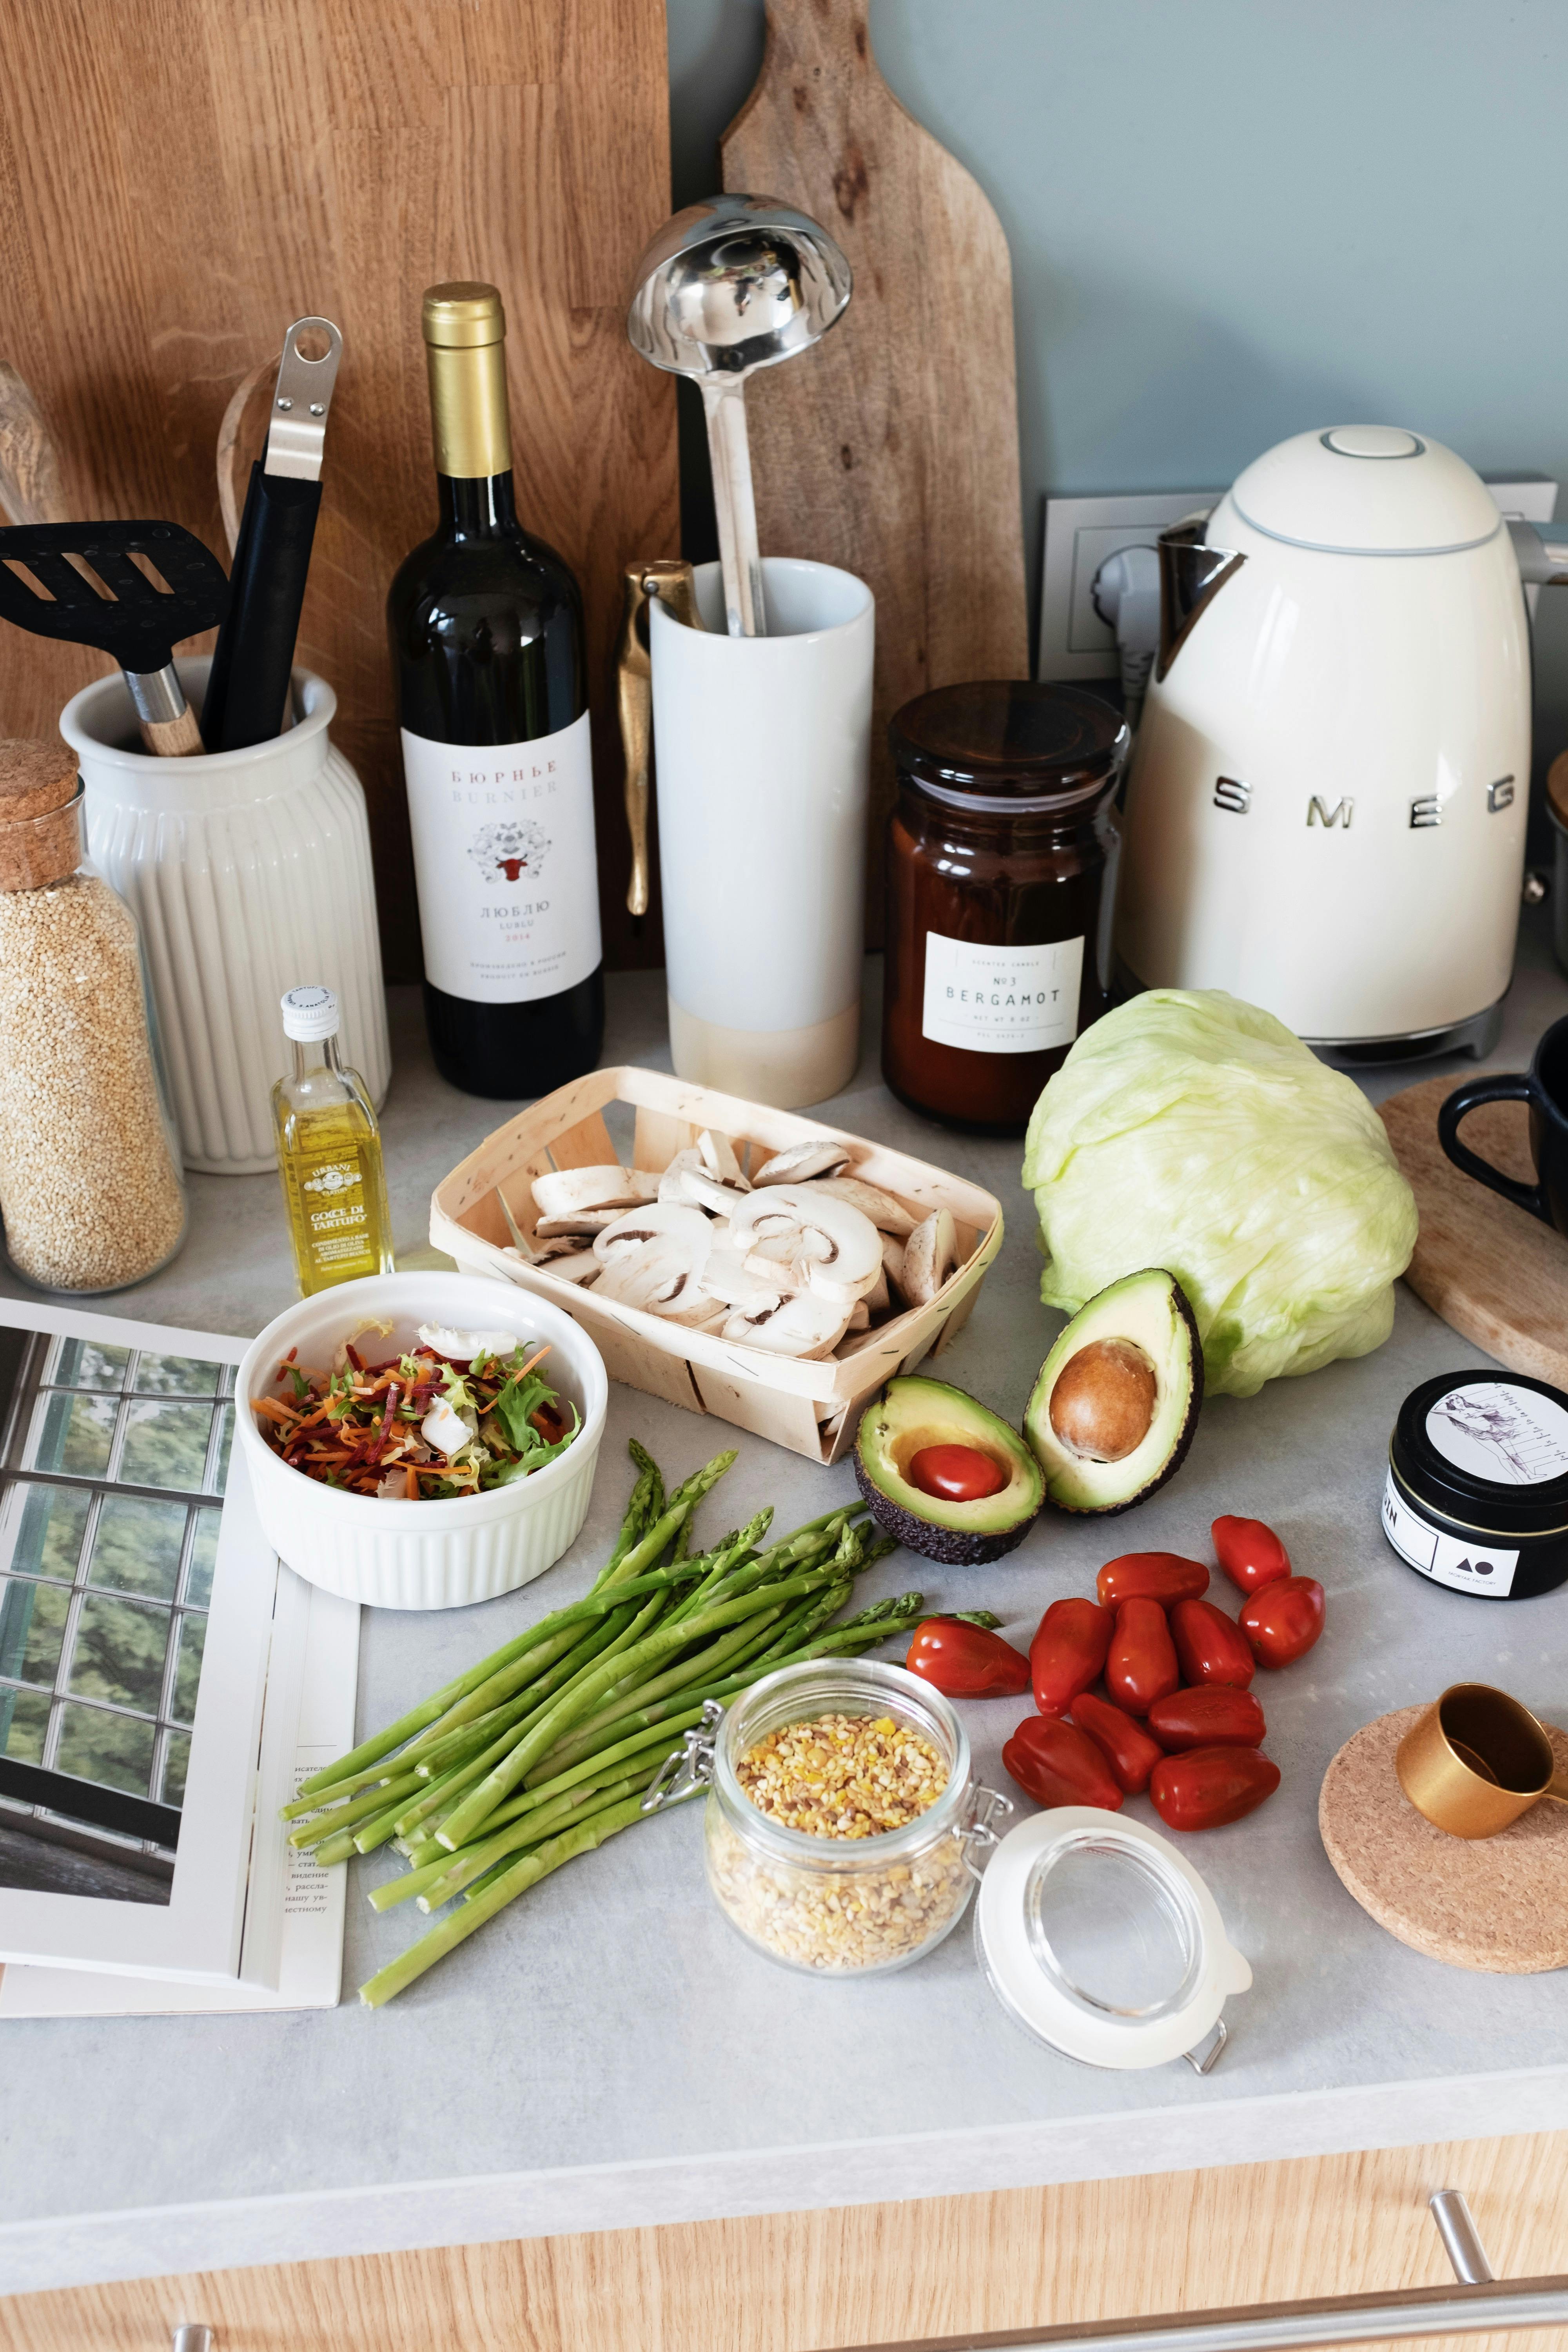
{"type": "Point", "coordinates": [166, 1683]}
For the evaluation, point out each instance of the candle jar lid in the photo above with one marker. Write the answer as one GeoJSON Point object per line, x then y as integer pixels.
{"type": "Point", "coordinates": [1009, 745]}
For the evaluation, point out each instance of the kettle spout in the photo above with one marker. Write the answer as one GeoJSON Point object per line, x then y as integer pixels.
{"type": "Point", "coordinates": [1191, 576]}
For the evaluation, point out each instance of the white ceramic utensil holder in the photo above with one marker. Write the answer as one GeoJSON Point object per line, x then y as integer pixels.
{"type": "Point", "coordinates": [250, 872]}
{"type": "Point", "coordinates": [762, 748]}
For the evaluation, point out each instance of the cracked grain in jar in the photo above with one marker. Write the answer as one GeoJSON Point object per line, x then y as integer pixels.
{"type": "Point", "coordinates": [853, 1895]}
{"type": "Point", "coordinates": [90, 1185]}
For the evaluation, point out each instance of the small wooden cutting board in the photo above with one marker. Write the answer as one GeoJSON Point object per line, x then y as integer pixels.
{"type": "Point", "coordinates": [1494, 1272]}
{"type": "Point", "coordinates": [1498, 1904]}
{"type": "Point", "coordinates": [892, 448]}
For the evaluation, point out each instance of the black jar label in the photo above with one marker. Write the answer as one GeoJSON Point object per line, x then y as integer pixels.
{"type": "Point", "coordinates": [1001, 999]}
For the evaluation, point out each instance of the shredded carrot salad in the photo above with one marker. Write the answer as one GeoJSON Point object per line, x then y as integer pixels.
{"type": "Point", "coordinates": [419, 1426]}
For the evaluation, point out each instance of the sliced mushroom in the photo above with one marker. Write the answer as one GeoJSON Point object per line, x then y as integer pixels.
{"type": "Point", "coordinates": [660, 1220]}
{"type": "Point", "coordinates": [879, 1298]}
{"type": "Point", "coordinates": [689, 1177]}
{"type": "Point", "coordinates": [929, 1255]}
{"type": "Point", "coordinates": [726, 1276]}
{"type": "Point", "coordinates": [719, 1158]}
{"type": "Point", "coordinates": [802, 1326]}
{"type": "Point", "coordinates": [853, 1341]}
{"type": "Point", "coordinates": [582, 1267]}
{"type": "Point", "coordinates": [775, 1261]}
{"type": "Point", "coordinates": [836, 1250]}
{"type": "Point", "coordinates": [558, 1245]}
{"type": "Point", "coordinates": [662, 1279]}
{"type": "Point", "coordinates": [799, 1161]}
{"type": "Point", "coordinates": [582, 1222]}
{"type": "Point", "coordinates": [563, 1190]}
{"type": "Point", "coordinates": [860, 1316]}
{"type": "Point", "coordinates": [890, 1216]}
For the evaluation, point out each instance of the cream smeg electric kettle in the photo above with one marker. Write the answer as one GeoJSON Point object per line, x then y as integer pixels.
{"type": "Point", "coordinates": [1326, 803]}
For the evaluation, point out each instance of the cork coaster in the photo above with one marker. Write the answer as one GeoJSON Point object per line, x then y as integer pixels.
{"type": "Point", "coordinates": [1498, 1904]}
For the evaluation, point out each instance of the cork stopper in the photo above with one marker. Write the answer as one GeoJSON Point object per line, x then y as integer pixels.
{"type": "Point", "coordinates": [1557, 786]}
{"type": "Point", "coordinates": [40, 825]}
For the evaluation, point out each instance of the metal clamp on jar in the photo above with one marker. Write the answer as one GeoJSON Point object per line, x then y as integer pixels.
{"type": "Point", "coordinates": [833, 1904]}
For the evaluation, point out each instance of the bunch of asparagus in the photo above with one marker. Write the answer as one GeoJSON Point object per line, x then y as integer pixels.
{"type": "Point", "coordinates": [546, 1748]}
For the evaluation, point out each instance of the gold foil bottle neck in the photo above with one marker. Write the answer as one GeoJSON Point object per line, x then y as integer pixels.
{"type": "Point", "coordinates": [464, 327]}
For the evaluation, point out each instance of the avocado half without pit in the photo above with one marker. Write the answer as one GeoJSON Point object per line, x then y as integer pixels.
{"type": "Point", "coordinates": [1113, 1410]}
{"type": "Point", "coordinates": [943, 1474]}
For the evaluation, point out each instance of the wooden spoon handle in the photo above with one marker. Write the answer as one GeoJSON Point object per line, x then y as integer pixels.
{"type": "Point", "coordinates": [174, 738]}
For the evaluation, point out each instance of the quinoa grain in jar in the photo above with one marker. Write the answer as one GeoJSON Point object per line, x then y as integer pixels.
{"type": "Point", "coordinates": [842, 1818]}
{"type": "Point", "coordinates": [91, 1186]}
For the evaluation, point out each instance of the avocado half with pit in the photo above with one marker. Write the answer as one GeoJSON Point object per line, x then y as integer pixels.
{"type": "Point", "coordinates": [1114, 1409]}
{"type": "Point", "coordinates": [910, 1417]}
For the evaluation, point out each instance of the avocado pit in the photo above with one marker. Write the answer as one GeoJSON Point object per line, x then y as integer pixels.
{"type": "Point", "coordinates": [1103, 1399]}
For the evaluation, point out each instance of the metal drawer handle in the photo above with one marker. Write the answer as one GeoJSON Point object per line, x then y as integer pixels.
{"type": "Point", "coordinates": [1461, 2240]}
{"type": "Point", "coordinates": [193, 2337]}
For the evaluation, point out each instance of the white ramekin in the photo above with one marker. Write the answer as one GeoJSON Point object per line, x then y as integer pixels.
{"type": "Point", "coordinates": [436, 1554]}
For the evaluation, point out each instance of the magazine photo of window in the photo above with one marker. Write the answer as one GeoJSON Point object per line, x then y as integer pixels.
{"type": "Point", "coordinates": [113, 1466]}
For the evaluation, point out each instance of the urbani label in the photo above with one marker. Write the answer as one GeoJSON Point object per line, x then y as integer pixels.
{"type": "Point", "coordinates": [505, 864]}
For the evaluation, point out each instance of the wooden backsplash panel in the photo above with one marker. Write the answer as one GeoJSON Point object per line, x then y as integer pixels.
{"type": "Point", "coordinates": [180, 178]}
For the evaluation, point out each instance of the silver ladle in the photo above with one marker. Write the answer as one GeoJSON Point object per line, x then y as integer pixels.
{"type": "Point", "coordinates": [730, 285]}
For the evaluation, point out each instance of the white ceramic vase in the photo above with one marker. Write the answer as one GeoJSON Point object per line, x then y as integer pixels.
{"type": "Point", "coordinates": [764, 747]}
{"type": "Point", "coordinates": [250, 873]}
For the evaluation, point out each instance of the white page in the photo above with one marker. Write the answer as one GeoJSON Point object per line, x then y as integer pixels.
{"type": "Point", "coordinates": [291, 1956]}
{"type": "Point", "coordinates": [195, 1932]}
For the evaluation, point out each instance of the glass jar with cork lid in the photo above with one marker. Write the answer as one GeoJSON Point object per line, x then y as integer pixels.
{"type": "Point", "coordinates": [91, 1190]}
{"type": "Point", "coordinates": [999, 873]}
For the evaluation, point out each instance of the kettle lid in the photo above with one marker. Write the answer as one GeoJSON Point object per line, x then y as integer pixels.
{"type": "Point", "coordinates": [1367, 489]}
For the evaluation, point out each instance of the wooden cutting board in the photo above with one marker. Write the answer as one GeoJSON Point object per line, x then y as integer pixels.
{"type": "Point", "coordinates": [178, 181]}
{"type": "Point", "coordinates": [1494, 1272]}
{"type": "Point", "coordinates": [892, 448]}
{"type": "Point", "coordinates": [1498, 1904]}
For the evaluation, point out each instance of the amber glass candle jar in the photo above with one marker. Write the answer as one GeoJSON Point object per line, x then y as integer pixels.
{"type": "Point", "coordinates": [997, 954]}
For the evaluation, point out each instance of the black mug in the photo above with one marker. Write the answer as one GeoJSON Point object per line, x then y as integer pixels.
{"type": "Point", "coordinates": [1545, 1089]}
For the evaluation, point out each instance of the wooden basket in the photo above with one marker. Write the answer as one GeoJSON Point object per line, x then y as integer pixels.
{"type": "Point", "coordinates": [811, 1407]}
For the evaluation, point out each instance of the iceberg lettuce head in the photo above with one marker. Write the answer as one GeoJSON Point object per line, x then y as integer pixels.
{"type": "Point", "coordinates": [1189, 1130]}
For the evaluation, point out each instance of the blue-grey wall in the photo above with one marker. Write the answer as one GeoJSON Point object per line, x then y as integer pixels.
{"type": "Point", "coordinates": [1231, 220]}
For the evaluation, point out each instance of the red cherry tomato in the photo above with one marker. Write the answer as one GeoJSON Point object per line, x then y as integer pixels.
{"type": "Point", "coordinates": [1212, 1715]}
{"type": "Point", "coordinates": [1250, 1553]}
{"type": "Point", "coordinates": [1161, 1576]}
{"type": "Point", "coordinates": [967, 1661]}
{"type": "Point", "coordinates": [1056, 1765]}
{"type": "Point", "coordinates": [1210, 1646]}
{"type": "Point", "coordinates": [1141, 1665]}
{"type": "Point", "coordinates": [1068, 1652]}
{"type": "Point", "coordinates": [1210, 1786]}
{"type": "Point", "coordinates": [956, 1474]}
{"type": "Point", "coordinates": [1284, 1619]}
{"type": "Point", "coordinates": [1125, 1744]}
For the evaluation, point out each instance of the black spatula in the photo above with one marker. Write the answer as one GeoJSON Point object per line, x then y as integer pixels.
{"type": "Point", "coordinates": [82, 581]}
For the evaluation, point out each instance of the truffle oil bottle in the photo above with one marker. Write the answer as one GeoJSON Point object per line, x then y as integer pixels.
{"type": "Point", "coordinates": [486, 627]}
{"type": "Point", "coordinates": [329, 1152]}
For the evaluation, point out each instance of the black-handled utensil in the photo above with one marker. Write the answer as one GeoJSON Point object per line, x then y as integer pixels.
{"type": "Point", "coordinates": [134, 589]}
{"type": "Point", "coordinates": [249, 685]}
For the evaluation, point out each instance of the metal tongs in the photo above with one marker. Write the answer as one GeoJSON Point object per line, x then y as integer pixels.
{"type": "Point", "coordinates": [249, 688]}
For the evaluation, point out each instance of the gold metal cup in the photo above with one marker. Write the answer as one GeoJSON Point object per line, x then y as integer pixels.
{"type": "Point", "coordinates": [1476, 1760]}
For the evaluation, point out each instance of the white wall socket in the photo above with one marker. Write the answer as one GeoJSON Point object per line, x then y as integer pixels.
{"type": "Point", "coordinates": [1079, 534]}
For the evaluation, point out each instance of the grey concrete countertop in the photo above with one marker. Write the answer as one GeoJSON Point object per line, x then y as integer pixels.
{"type": "Point", "coordinates": [608, 2053]}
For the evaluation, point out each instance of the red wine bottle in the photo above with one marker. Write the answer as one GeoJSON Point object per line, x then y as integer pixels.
{"type": "Point", "coordinates": [486, 624]}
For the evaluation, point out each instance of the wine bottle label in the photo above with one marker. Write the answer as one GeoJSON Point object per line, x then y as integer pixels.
{"type": "Point", "coordinates": [1001, 999]}
{"type": "Point", "coordinates": [505, 864]}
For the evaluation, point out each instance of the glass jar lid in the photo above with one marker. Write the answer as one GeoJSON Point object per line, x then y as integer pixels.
{"type": "Point", "coordinates": [1102, 1941]}
{"type": "Point", "coordinates": [1488, 1450]}
{"type": "Point", "coordinates": [1009, 745]}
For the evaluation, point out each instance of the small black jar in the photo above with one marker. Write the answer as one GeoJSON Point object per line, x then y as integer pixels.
{"type": "Point", "coordinates": [1477, 1493]}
